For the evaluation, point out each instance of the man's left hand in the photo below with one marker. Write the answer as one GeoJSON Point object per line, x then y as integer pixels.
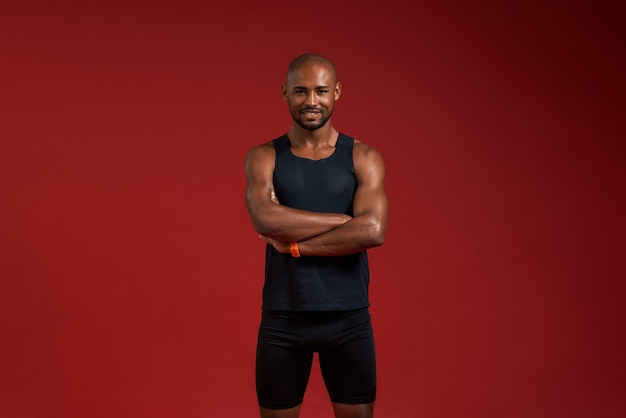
{"type": "Point", "coordinates": [281, 247]}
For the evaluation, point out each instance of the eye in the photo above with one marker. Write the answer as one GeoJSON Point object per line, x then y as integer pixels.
{"type": "Point", "coordinates": [322, 91]}
{"type": "Point", "coordinates": [300, 92]}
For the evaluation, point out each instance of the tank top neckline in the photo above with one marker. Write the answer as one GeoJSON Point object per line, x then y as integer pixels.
{"type": "Point", "coordinates": [287, 143]}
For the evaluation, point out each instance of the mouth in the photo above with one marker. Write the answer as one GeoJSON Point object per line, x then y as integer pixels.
{"type": "Point", "coordinates": [310, 112]}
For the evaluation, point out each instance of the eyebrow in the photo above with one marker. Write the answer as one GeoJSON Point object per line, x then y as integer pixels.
{"type": "Point", "coordinates": [306, 88]}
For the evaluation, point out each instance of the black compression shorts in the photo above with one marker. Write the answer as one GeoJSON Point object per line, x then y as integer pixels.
{"type": "Point", "coordinates": [287, 341]}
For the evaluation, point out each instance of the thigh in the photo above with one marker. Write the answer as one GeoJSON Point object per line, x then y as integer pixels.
{"type": "Point", "coordinates": [283, 366]}
{"type": "Point", "coordinates": [349, 367]}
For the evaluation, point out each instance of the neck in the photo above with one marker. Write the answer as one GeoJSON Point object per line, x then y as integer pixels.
{"type": "Point", "coordinates": [322, 136]}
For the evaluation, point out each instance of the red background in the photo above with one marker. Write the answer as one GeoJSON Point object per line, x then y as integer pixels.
{"type": "Point", "coordinates": [130, 272]}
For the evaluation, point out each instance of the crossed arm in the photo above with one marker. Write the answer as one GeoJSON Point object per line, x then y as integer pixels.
{"type": "Point", "coordinates": [324, 234]}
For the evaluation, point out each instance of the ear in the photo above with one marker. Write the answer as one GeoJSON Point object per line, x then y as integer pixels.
{"type": "Point", "coordinates": [338, 88]}
{"type": "Point", "coordinates": [283, 90]}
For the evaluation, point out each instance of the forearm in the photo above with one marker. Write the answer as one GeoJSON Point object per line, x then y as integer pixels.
{"type": "Point", "coordinates": [293, 225]}
{"type": "Point", "coordinates": [353, 236]}
{"type": "Point", "coordinates": [366, 230]}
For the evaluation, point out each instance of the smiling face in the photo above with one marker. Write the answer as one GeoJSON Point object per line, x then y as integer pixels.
{"type": "Point", "coordinates": [311, 90]}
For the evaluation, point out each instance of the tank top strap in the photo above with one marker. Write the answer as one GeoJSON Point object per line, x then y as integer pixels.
{"type": "Point", "coordinates": [345, 140]}
{"type": "Point", "coordinates": [345, 144]}
{"type": "Point", "coordinates": [281, 144]}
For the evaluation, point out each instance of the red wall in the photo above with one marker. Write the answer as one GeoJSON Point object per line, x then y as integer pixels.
{"type": "Point", "coordinates": [131, 275]}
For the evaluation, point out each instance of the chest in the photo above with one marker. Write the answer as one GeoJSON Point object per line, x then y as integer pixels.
{"type": "Point", "coordinates": [326, 185]}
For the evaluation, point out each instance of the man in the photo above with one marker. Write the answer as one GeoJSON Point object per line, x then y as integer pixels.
{"type": "Point", "coordinates": [317, 198]}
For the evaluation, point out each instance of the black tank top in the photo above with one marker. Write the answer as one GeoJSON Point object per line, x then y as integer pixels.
{"type": "Point", "coordinates": [314, 283]}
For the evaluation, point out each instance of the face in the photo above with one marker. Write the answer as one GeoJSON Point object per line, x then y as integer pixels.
{"type": "Point", "coordinates": [311, 92]}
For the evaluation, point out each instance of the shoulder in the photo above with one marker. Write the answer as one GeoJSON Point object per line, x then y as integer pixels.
{"type": "Point", "coordinates": [368, 162]}
{"type": "Point", "coordinates": [261, 152]}
{"type": "Point", "coordinates": [365, 153]}
{"type": "Point", "coordinates": [260, 160]}
{"type": "Point", "coordinates": [360, 150]}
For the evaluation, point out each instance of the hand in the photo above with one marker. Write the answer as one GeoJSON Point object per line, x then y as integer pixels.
{"type": "Point", "coordinates": [273, 197]}
{"type": "Point", "coordinates": [281, 247]}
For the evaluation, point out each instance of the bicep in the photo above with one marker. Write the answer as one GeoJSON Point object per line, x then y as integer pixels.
{"type": "Point", "coordinates": [370, 197]}
{"type": "Point", "coordinates": [259, 168]}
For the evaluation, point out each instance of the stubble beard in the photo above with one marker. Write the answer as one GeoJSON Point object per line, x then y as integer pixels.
{"type": "Point", "coordinates": [312, 126]}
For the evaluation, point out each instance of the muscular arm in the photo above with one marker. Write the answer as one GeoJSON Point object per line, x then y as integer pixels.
{"type": "Point", "coordinates": [368, 227]}
{"type": "Point", "coordinates": [275, 221]}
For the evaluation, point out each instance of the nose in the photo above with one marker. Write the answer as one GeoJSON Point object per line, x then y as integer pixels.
{"type": "Point", "coordinates": [311, 98]}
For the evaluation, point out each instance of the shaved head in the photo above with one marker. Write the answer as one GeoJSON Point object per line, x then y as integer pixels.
{"type": "Point", "coordinates": [311, 59]}
{"type": "Point", "coordinates": [311, 89]}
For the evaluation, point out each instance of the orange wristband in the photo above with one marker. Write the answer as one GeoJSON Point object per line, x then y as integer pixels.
{"type": "Point", "coordinates": [295, 251]}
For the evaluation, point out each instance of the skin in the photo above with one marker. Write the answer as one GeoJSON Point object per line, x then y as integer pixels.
{"type": "Point", "coordinates": [310, 90]}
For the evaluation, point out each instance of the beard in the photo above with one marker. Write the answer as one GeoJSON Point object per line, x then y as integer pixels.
{"type": "Point", "coordinates": [312, 126]}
